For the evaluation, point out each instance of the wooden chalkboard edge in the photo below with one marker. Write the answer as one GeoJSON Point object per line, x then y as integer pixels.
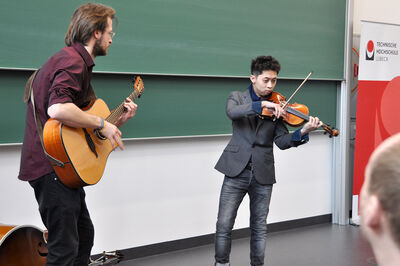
{"type": "Point", "coordinates": [178, 75]}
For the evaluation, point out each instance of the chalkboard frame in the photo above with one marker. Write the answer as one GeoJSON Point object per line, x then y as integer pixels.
{"type": "Point", "coordinates": [193, 38]}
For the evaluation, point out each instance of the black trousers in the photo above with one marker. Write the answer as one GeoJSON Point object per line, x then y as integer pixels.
{"type": "Point", "coordinates": [66, 217]}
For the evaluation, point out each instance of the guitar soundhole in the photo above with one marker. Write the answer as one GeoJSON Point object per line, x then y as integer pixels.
{"type": "Point", "coordinates": [42, 249]}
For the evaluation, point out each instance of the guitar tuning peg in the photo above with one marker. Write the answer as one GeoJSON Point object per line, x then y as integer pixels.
{"type": "Point", "coordinates": [134, 79]}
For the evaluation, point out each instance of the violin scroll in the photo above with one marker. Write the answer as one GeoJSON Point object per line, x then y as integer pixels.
{"type": "Point", "coordinates": [333, 132]}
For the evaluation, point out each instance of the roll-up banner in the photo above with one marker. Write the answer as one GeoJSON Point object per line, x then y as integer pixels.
{"type": "Point", "coordinates": [378, 100]}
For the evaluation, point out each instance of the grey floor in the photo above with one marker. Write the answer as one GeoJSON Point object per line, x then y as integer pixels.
{"type": "Point", "coordinates": [318, 245]}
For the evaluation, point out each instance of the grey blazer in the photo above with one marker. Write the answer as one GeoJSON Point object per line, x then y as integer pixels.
{"type": "Point", "coordinates": [253, 138]}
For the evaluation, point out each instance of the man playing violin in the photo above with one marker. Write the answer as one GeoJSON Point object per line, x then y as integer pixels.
{"type": "Point", "coordinates": [248, 161]}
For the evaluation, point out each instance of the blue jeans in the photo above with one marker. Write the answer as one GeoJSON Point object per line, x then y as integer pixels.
{"type": "Point", "coordinates": [232, 193]}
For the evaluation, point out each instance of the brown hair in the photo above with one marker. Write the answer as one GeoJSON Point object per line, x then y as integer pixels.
{"type": "Point", "coordinates": [86, 19]}
{"type": "Point", "coordinates": [385, 183]}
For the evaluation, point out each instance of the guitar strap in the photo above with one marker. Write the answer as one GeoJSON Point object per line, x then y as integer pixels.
{"type": "Point", "coordinates": [39, 127]}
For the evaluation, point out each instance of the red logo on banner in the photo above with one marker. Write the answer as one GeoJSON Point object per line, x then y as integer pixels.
{"type": "Point", "coordinates": [370, 51]}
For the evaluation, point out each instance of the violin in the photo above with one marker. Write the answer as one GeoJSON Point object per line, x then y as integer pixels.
{"type": "Point", "coordinates": [295, 114]}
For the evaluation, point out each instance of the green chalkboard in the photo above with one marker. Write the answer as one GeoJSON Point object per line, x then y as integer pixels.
{"type": "Point", "coordinates": [196, 37]}
{"type": "Point", "coordinates": [170, 106]}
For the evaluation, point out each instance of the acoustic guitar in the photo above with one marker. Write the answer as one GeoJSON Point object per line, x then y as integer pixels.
{"type": "Point", "coordinates": [22, 245]}
{"type": "Point", "coordinates": [83, 151]}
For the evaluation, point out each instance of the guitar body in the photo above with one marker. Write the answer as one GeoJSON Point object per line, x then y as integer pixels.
{"type": "Point", "coordinates": [22, 245]}
{"type": "Point", "coordinates": [70, 145]}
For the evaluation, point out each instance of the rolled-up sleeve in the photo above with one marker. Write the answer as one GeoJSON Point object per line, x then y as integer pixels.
{"type": "Point", "coordinates": [66, 85]}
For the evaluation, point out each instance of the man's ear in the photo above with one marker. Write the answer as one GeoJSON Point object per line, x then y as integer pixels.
{"type": "Point", "coordinates": [253, 78]}
{"type": "Point", "coordinates": [97, 34]}
{"type": "Point", "coordinates": [375, 213]}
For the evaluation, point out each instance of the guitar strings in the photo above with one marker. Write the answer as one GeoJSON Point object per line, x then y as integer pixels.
{"type": "Point", "coordinates": [117, 112]}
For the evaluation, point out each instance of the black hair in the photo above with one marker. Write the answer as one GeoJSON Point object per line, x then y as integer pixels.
{"type": "Point", "coordinates": [262, 63]}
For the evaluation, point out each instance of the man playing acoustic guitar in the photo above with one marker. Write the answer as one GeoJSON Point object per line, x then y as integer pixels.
{"type": "Point", "coordinates": [60, 88]}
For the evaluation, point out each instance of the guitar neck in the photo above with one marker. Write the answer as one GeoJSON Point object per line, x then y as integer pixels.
{"type": "Point", "coordinates": [117, 112]}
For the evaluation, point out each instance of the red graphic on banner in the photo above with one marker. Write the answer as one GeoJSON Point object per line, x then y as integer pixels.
{"type": "Point", "coordinates": [389, 107]}
{"type": "Point", "coordinates": [376, 103]}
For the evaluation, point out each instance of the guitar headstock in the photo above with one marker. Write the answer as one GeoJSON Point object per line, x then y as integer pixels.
{"type": "Point", "coordinates": [138, 86]}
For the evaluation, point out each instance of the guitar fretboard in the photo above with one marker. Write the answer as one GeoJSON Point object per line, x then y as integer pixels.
{"type": "Point", "coordinates": [117, 112]}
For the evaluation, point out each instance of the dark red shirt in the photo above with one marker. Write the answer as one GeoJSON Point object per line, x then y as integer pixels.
{"type": "Point", "coordinates": [65, 77]}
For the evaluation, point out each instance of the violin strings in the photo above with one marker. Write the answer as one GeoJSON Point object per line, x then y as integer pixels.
{"type": "Point", "coordinates": [298, 113]}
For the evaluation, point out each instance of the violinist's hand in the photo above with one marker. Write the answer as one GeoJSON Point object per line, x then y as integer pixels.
{"type": "Point", "coordinates": [130, 111]}
{"type": "Point", "coordinates": [313, 124]}
{"type": "Point", "coordinates": [276, 109]}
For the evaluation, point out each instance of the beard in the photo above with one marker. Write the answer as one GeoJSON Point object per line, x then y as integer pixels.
{"type": "Point", "coordinates": [98, 50]}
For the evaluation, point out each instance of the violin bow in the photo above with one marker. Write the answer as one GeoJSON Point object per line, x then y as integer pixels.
{"type": "Point", "coordinates": [298, 88]}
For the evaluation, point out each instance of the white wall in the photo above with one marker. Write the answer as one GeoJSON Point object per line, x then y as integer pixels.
{"type": "Point", "coordinates": [375, 10]}
{"type": "Point", "coordinates": [167, 189]}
